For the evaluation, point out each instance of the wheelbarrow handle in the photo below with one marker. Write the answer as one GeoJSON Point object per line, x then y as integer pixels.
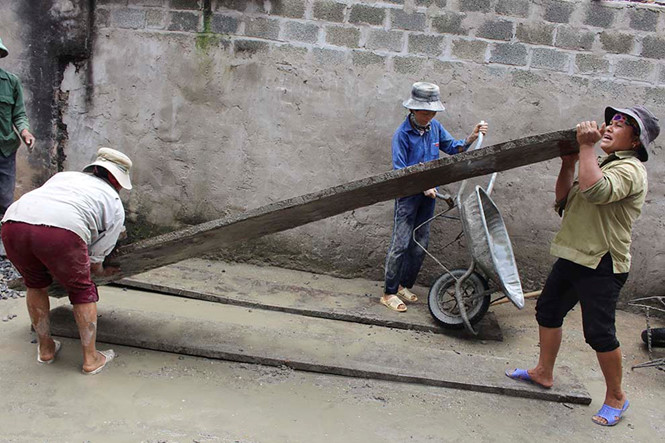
{"type": "Point", "coordinates": [447, 198]}
{"type": "Point", "coordinates": [478, 144]}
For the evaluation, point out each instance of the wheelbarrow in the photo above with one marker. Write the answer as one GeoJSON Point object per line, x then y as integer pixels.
{"type": "Point", "coordinates": [459, 298]}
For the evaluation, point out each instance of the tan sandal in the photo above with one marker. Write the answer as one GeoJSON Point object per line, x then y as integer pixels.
{"type": "Point", "coordinates": [407, 295]}
{"type": "Point", "coordinates": [394, 303]}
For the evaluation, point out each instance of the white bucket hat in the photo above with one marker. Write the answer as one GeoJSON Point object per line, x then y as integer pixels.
{"type": "Point", "coordinates": [424, 97]}
{"type": "Point", "coordinates": [117, 163]}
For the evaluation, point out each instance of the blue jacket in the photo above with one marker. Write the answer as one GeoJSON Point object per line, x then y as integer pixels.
{"type": "Point", "coordinates": [410, 148]}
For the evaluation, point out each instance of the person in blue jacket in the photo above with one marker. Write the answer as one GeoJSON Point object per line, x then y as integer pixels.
{"type": "Point", "coordinates": [417, 140]}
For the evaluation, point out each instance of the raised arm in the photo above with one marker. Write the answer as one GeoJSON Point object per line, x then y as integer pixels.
{"type": "Point", "coordinates": [588, 134]}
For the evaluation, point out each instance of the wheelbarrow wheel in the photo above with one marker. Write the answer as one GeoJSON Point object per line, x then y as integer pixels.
{"type": "Point", "coordinates": [443, 305]}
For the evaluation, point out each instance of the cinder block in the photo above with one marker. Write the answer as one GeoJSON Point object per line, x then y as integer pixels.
{"type": "Point", "coordinates": [301, 32]}
{"type": "Point", "coordinates": [250, 47]}
{"type": "Point", "coordinates": [449, 23]}
{"type": "Point", "coordinates": [388, 40]}
{"type": "Point", "coordinates": [552, 59]}
{"type": "Point", "coordinates": [496, 30]}
{"type": "Point", "coordinates": [262, 27]}
{"type": "Point", "coordinates": [341, 36]}
{"type": "Point", "coordinates": [428, 3]}
{"type": "Point", "coordinates": [425, 44]}
{"type": "Point", "coordinates": [599, 15]}
{"type": "Point", "coordinates": [570, 38]}
{"type": "Point", "coordinates": [411, 22]}
{"type": "Point", "coordinates": [535, 34]}
{"type": "Point", "coordinates": [591, 64]}
{"type": "Point", "coordinates": [184, 21]}
{"type": "Point", "coordinates": [475, 5]}
{"type": "Point", "coordinates": [128, 18]}
{"type": "Point", "coordinates": [155, 19]}
{"type": "Point", "coordinates": [288, 8]}
{"type": "Point", "coordinates": [223, 24]}
{"type": "Point", "coordinates": [408, 65]}
{"type": "Point", "coordinates": [366, 58]}
{"type": "Point", "coordinates": [617, 43]}
{"type": "Point", "coordinates": [330, 57]}
{"type": "Point", "coordinates": [288, 54]}
{"type": "Point", "coordinates": [238, 5]}
{"type": "Point", "coordinates": [643, 19]}
{"type": "Point", "coordinates": [102, 18]}
{"type": "Point", "coordinates": [634, 69]}
{"type": "Point", "coordinates": [515, 8]}
{"type": "Point", "coordinates": [367, 14]}
{"type": "Point", "coordinates": [558, 11]}
{"type": "Point", "coordinates": [329, 11]}
{"type": "Point", "coordinates": [473, 50]}
{"type": "Point", "coordinates": [653, 47]}
{"type": "Point", "coordinates": [509, 54]}
{"type": "Point", "coordinates": [143, 2]}
{"type": "Point", "coordinates": [185, 4]}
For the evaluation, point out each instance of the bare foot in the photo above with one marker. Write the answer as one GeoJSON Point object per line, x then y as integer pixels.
{"type": "Point", "coordinates": [541, 379]}
{"type": "Point", "coordinates": [98, 362]}
{"type": "Point", "coordinates": [47, 350]}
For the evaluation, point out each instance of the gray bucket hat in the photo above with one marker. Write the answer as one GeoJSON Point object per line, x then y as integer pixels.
{"type": "Point", "coordinates": [424, 97]}
{"type": "Point", "coordinates": [648, 123]}
{"type": "Point", "coordinates": [3, 50]}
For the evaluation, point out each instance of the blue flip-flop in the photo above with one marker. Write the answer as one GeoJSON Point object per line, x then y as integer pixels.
{"type": "Point", "coordinates": [523, 375]}
{"type": "Point", "coordinates": [610, 414]}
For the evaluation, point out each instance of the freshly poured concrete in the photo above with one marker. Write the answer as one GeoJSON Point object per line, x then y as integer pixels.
{"type": "Point", "coordinates": [309, 344]}
{"type": "Point", "coordinates": [296, 292]}
{"type": "Point", "coordinates": [157, 396]}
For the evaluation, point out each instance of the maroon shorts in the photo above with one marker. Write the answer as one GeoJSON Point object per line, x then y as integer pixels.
{"type": "Point", "coordinates": [41, 253]}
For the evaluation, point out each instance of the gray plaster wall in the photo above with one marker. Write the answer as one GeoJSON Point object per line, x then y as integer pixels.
{"type": "Point", "coordinates": [227, 105]}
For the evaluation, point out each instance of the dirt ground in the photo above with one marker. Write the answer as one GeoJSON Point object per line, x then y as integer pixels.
{"type": "Point", "coordinates": [161, 397]}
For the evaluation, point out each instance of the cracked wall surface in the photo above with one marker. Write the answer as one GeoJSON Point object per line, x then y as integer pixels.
{"type": "Point", "coordinates": [227, 106]}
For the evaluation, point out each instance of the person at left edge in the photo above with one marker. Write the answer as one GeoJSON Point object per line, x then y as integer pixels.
{"type": "Point", "coordinates": [12, 115]}
{"type": "Point", "coordinates": [63, 230]}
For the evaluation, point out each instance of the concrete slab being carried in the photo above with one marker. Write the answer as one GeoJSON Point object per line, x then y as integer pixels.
{"type": "Point", "coordinates": [212, 330]}
{"type": "Point", "coordinates": [198, 240]}
{"type": "Point", "coordinates": [296, 292]}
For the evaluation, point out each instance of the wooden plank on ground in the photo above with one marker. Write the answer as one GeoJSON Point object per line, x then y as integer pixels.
{"type": "Point", "coordinates": [198, 240]}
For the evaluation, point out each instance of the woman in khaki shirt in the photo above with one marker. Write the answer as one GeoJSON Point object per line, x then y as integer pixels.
{"type": "Point", "coordinates": [593, 246]}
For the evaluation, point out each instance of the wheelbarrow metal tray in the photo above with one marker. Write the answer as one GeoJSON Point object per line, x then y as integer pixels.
{"type": "Point", "coordinates": [489, 243]}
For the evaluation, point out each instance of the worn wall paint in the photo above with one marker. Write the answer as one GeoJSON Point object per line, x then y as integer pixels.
{"type": "Point", "coordinates": [226, 107]}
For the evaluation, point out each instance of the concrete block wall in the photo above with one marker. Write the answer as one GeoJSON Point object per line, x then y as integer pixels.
{"type": "Point", "coordinates": [599, 39]}
{"type": "Point", "coordinates": [227, 105]}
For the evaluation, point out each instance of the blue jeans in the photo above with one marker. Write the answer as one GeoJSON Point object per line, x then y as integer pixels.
{"type": "Point", "coordinates": [405, 257]}
{"type": "Point", "coordinates": [7, 181]}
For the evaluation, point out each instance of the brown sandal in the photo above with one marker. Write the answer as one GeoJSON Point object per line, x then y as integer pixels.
{"type": "Point", "coordinates": [394, 303]}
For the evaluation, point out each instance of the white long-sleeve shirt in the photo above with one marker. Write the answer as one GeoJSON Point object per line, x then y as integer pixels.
{"type": "Point", "coordinates": [78, 202]}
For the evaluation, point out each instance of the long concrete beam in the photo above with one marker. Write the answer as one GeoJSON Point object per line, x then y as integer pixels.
{"type": "Point", "coordinates": [307, 344]}
{"type": "Point", "coordinates": [142, 256]}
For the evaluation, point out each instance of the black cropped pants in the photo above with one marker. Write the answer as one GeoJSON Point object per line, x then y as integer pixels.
{"type": "Point", "coordinates": [597, 290]}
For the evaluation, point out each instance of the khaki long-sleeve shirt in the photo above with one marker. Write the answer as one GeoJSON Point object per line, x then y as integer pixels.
{"type": "Point", "coordinates": [600, 219]}
{"type": "Point", "coordinates": [12, 112]}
